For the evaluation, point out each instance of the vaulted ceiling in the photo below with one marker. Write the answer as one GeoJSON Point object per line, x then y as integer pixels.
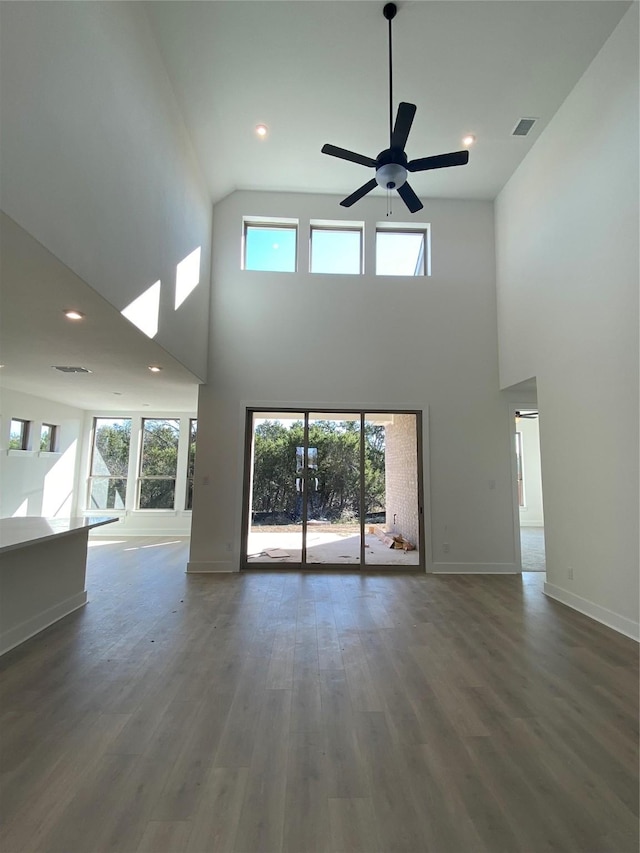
{"type": "Point", "coordinates": [313, 72]}
{"type": "Point", "coordinates": [317, 72]}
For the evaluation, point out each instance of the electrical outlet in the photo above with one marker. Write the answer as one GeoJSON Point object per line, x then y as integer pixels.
{"type": "Point", "coordinates": [570, 572]}
{"type": "Point", "coordinates": [445, 547]}
{"type": "Point", "coordinates": [227, 546]}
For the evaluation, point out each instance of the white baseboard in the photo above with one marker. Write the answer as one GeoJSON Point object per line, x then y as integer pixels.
{"type": "Point", "coordinates": [207, 567]}
{"type": "Point", "coordinates": [30, 627]}
{"type": "Point", "coordinates": [601, 614]}
{"type": "Point", "coordinates": [475, 568]}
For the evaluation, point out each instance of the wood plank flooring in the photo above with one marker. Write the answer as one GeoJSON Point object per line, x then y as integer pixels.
{"type": "Point", "coordinates": [312, 712]}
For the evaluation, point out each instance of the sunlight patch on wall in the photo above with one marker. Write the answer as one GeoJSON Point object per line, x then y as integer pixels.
{"type": "Point", "coordinates": [58, 485]}
{"type": "Point", "coordinates": [22, 509]}
{"type": "Point", "coordinates": [187, 276]}
{"type": "Point", "coordinates": [144, 311]}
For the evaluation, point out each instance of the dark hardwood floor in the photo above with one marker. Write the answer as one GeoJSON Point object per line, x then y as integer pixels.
{"type": "Point", "coordinates": [317, 712]}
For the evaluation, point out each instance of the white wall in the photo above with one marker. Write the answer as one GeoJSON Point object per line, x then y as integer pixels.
{"type": "Point", "coordinates": [531, 514]}
{"type": "Point", "coordinates": [96, 163]}
{"type": "Point", "coordinates": [133, 521]}
{"type": "Point", "coordinates": [386, 343]}
{"type": "Point", "coordinates": [35, 483]}
{"type": "Point", "coordinates": [567, 268]}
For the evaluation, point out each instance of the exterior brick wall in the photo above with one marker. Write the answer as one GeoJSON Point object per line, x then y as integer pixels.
{"type": "Point", "coordinates": [401, 477]}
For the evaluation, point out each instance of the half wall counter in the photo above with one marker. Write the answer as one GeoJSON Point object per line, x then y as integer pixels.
{"type": "Point", "coordinates": [43, 564]}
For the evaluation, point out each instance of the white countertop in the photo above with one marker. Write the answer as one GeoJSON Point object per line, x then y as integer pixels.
{"type": "Point", "coordinates": [28, 530]}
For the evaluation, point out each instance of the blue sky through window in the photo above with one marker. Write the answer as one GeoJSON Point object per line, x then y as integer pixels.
{"type": "Point", "coordinates": [270, 249]}
{"type": "Point", "coordinates": [336, 251]}
{"type": "Point", "coordinates": [399, 253]}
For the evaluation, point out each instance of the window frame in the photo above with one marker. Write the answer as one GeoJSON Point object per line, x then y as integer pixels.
{"type": "Point", "coordinates": [272, 224]}
{"type": "Point", "coordinates": [190, 478]}
{"type": "Point", "coordinates": [52, 443]}
{"type": "Point", "coordinates": [92, 476]}
{"type": "Point", "coordinates": [145, 477]}
{"type": "Point", "coordinates": [25, 433]}
{"type": "Point", "coordinates": [400, 228]}
{"type": "Point", "coordinates": [336, 227]}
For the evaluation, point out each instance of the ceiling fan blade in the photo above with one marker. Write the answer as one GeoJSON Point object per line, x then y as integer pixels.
{"type": "Point", "coordinates": [410, 198]}
{"type": "Point", "coordinates": [343, 154]}
{"type": "Point", "coordinates": [359, 193]}
{"type": "Point", "coordinates": [440, 161]}
{"type": "Point", "coordinates": [404, 120]}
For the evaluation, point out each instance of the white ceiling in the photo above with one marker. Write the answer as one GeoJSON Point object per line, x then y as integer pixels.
{"type": "Point", "coordinates": [316, 72]}
{"type": "Point", "coordinates": [35, 335]}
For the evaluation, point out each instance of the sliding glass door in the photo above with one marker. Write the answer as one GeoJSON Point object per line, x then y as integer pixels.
{"type": "Point", "coordinates": [333, 530]}
{"type": "Point", "coordinates": [332, 489]}
{"type": "Point", "coordinates": [276, 498]}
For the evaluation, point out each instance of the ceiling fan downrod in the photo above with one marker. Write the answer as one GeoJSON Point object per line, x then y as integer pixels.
{"type": "Point", "coordinates": [389, 12]}
{"type": "Point", "coordinates": [391, 165]}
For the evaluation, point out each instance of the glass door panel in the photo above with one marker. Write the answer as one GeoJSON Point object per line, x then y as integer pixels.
{"type": "Point", "coordinates": [332, 481]}
{"type": "Point", "coordinates": [275, 489]}
{"type": "Point", "coordinates": [392, 517]}
{"type": "Point", "coordinates": [333, 489]}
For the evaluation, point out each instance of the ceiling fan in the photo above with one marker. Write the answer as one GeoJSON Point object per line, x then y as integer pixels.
{"type": "Point", "coordinates": [527, 414]}
{"type": "Point", "coordinates": [391, 165]}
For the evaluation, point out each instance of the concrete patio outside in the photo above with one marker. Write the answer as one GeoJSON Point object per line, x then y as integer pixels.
{"type": "Point", "coordinates": [332, 544]}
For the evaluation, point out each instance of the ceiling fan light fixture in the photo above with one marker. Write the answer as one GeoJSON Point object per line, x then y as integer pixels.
{"type": "Point", "coordinates": [468, 140]}
{"type": "Point", "coordinates": [392, 165]}
{"type": "Point", "coordinates": [391, 176]}
{"type": "Point", "coordinates": [261, 130]}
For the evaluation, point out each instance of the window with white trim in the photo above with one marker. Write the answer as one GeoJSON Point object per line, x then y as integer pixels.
{"type": "Point", "coordinates": [48, 438]}
{"type": "Point", "coordinates": [191, 461]}
{"type": "Point", "coordinates": [336, 248]}
{"type": "Point", "coordinates": [109, 468]}
{"type": "Point", "coordinates": [158, 463]}
{"type": "Point", "coordinates": [19, 434]}
{"type": "Point", "coordinates": [402, 250]}
{"type": "Point", "coordinates": [269, 245]}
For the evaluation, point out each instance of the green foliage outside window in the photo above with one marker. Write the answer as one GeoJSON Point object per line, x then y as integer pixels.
{"type": "Point", "coordinates": [108, 493]}
{"type": "Point", "coordinates": [110, 463]}
{"type": "Point", "coordinates": [111, 447]}
{"type": "Point", "coordinates": [191, 461]}
{"type": "Point", "coordinates": [338, 489]}
{"type": "Point", "coordinates": [159, 463]}
{"type": "Point", "coordinates": [18, 435]}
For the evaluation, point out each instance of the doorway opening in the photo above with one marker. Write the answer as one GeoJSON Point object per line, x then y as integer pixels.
{"type": "Point", "coordinates": [529, 490]}
{"type": "Point", "coordinates": [332, 489]}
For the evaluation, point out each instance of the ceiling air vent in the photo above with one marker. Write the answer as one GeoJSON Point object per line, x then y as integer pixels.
{"type": "Point", "coordinates": [71, 369]}
{"type": "Point", "coordinates": [523, 127]}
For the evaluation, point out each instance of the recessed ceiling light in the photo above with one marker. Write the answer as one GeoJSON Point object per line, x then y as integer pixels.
{"type": "Point", "coordinates": [469, 139]}
{"type": "Point", "coordinates": [261, 130]}
{"type": "Point", "coordinates": [72, 314]}
{"type": "Point", "coordinates": [154, 368]}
